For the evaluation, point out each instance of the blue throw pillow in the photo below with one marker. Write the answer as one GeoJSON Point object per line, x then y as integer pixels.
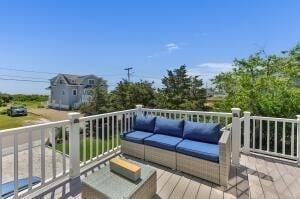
{"type": "Point", "coordinates": [205, 132]}
{"type": "Point", "coordinates": [144, 123]}
{"type": "Point", "coordinates": [169, 127]}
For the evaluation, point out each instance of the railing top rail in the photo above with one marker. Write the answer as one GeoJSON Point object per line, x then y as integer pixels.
{"type": "Point", "coordinates": [92, 117]}
{"type": "Point", "coordinates": [33, 127]}
{"type": "Point", "coordinates": [274, 119]}
{"type": "Point", "coordinates": [189, 112]}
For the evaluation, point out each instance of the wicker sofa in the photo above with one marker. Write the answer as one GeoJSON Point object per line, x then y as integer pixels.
{"type": "Point", "coordinates": [199, 149]}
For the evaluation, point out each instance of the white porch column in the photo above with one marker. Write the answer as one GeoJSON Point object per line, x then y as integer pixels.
{"type": "Point", "coordinates": [246, 148]}
{"type": "Point", "coordinates": [139, 109]}
{"type": "Point", "coordinates": [74, 145]}
{"type": "Point", "coordinates": [236, 136]}
{"type": "Point", "coordinates": [298, 138]}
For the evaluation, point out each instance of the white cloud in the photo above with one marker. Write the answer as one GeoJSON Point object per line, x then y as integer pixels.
{"type": "Point", "coordinates": [171, 47]}
{"type": "Point", "coordinates": [207, 71]}
{"type": "Point", "coordinates": [167, 49]}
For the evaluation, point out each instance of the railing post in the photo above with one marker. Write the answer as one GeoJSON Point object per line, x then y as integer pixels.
{"type": "Point", "coordinates": [246, 148]}
{"type": "Point", "coordinates": [298, 138]}
{"type": "Point", "coordinates": [74, 145]}
{"type": "Point", "coordinates": [139, 109]}
{"type": "Point", "coordinates": [236, 136]}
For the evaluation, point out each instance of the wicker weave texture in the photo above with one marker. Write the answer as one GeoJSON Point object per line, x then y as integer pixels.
{"type": "Point", "coordinates": [160, 156]}
{"type": "Point", "coordinates": [88, 193]}
{"type": "Point", "coordinates": [224, 157]}
{"type": "Point", "coordinates": [133, 149]}
{"type": "Point", "coordinates": [200, 168]}
{"type": "Point", "coordinates": [148, 189]}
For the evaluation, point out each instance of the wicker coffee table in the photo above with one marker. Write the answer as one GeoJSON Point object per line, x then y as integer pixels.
{"type": "Point", "coordinates": [107, 184]}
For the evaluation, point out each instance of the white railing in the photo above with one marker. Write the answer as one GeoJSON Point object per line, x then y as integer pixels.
{"type": "Point", "coordinates": [101, 133]}
{"type": "Point", "coordinates": [26, 148]}
{"type": "Point", "coordinates": [272, 136]}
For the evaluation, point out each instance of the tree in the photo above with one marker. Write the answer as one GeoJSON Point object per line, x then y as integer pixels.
{"type": "Point", "coordinates": [181, 91]}
{"type": "Point", "coordinates": [263, 84]}
{"type": "Point", "coordinates": [127, 94]}
{"type": "Point", "coordinates": [99, 100]}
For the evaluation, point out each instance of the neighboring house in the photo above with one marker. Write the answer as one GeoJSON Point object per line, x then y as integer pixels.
{"type": "Point", "coordinates": [69, 91]}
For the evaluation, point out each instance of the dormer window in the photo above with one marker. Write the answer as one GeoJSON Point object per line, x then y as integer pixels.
{"type": "Point", "coordinates": [61, 81]}
{"type": "Point", "coordinates": [73, 81]}
{"type": "Point", "coordinates": [91, 82]}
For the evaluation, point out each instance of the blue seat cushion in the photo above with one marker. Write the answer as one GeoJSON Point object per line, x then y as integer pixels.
{"type": "Point", "coordinates": [169, 127]}
{"type": "Point", "coordinates": [204, 132]}
{"type": "Point", "coordinates": [136, 136]}
{"type": "Point", "coordinates": [163, 141]}
{"type": "Point", "coordinates": [144, 123]}
{"type": "Point", "coordinates": [198, 149]}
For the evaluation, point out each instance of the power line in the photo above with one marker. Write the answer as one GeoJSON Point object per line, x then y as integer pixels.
{"type": "Point", "coordinates": [27, 71]}
{"type": "Point", "coordinates": [23, 80]}
{"type": "Point", "coordinates": [19, 76]}
{"type": "Point", "coordinates": [47, 72]}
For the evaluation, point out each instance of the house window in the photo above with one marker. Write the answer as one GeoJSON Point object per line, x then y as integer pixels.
{"type": "Point", "coordinates": [63, 92]}
{"type": "Point", "coordinates": [91, 82]}
{"type": "Point", "coordinates": [73, 81]}
{"type": "Point", "coordinates": [61, 81]}
{"type": "Point", "coordinates": [74, 91]}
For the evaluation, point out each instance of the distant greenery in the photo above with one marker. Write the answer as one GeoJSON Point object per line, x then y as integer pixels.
{"type": "Point", "coordinates": [99, 102]}
{"type": "Point", "coordinates": [181, 91]}
{"type": "Point", "coordinates": [25, 98]}
{"type": "Point", "coordinates": [128, 94]}
{"type": "Point", "coordinates": [266, 85]}
{"type": "Point", "coordinates": [5, 99]}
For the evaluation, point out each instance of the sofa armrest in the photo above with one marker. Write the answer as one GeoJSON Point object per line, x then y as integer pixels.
{"type": "Point", "coordinates": [225, 156]}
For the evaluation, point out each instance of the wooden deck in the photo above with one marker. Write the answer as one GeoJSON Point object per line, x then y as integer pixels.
{"type": "Point", "coordinates": [257, 177]}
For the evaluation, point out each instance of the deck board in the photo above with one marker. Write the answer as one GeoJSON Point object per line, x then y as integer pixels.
{"type": "Point", "coordinates": [168, 188]}
{"type": "Point", "coordinates": [265, 180]}
{"type": "Point", "coordinates": [192, 190]}
{"type": "Point", "coordinates": [256, 178]}
{"type": "Point", "coordinates": [180, 188]}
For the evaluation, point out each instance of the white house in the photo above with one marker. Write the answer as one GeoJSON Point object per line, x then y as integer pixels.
{"type": "Point", "coordinates": [69, 91]}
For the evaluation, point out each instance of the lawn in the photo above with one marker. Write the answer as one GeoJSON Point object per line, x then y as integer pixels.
{"type": "Point", "coordinates": [88, 142]}
{"type": "Point", "coordinates": [7, 122]}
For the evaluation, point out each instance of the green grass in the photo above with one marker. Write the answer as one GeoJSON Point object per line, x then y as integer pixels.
{"type": "Point", "coordinates": [88, 142]}
{"type": "Point", "coordinates": [7, 122]}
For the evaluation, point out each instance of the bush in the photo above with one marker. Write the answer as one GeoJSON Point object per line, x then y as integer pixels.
{"type": "Point", "coordinates": [23, 98]}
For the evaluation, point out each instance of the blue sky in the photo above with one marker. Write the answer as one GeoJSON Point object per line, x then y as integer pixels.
{"type": "Point", "coordinates": [103, 37]}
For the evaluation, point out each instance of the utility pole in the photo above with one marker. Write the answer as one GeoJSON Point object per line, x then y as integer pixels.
{"type": "Point", "coordinates": [128, 73]}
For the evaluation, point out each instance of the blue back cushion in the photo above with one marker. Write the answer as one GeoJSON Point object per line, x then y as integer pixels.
{"type": "Point", "coordinates": [169, 127]}
{"type": "Point", "coordinates": [144, 123]}
{"type": "Point", "coordinates": [204, 132]}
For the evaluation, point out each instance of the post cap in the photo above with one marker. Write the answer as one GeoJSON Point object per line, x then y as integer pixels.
{"type": "Point", "coordinates": [73, 115]}
{"type": "Point", "coordinates": [235, 109]}
{"type": "Point", "coordinates": [236, 112]}
{"type": "Point", "coordinates": [298, 117]}
{"type": "Point", "coordinates": [247, 113]}
{"type": "Point", "coordinates": [139, 106]}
